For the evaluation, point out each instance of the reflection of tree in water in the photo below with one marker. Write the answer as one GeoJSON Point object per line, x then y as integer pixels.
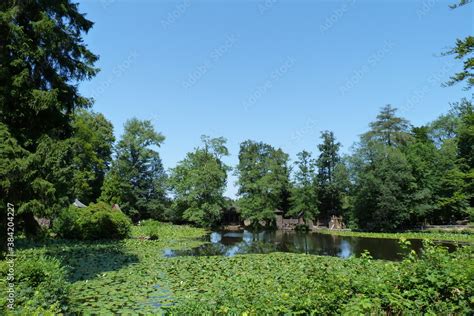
{"type": "Point", "coordinates": [257, 247]}
{"type": "Point", "coordinates": [233, 243]}
{"type": "Point", "coordinates": [382, 248]}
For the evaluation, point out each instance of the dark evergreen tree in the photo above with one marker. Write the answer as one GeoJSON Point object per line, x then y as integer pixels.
{"type": "Point", "coordinates": [42, 60]}
{"type": "Point", "coordinates": [304, 197]}
{"type": "Point", "coordinates": [328, 194]}
{"type": "Point", "coordinates": [388, 128]}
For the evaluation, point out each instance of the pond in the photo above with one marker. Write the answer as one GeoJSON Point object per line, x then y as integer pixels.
{"type": "Point", "coordinates": [226, 243]}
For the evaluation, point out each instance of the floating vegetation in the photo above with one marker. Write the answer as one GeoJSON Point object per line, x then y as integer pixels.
{"type": "Point", "coordinates": [134, 277]}
{"type": "Point", "coordinates": [428, 235]}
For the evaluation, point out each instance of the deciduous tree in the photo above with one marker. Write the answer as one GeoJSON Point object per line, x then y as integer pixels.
{"type": "Point", "coordinates": [198, 183]}
{"type": "Point", "coordinates": [263, 181]}
{"type": "Point", "coordinates": [137, 179]}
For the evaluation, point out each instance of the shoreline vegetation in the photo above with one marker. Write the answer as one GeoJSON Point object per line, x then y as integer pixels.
{"type": "Point", "coordinates": [467, 236]}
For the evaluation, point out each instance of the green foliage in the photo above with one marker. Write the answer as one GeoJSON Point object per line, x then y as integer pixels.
{"type": "Point", "coordinates": [304, 198]}
{"type": "Point", "coordinates": [92, 149]}
{"type": "Point", "coordinates": [281, 283]}
{"type": "Point", "coordinates": [42, 59]}
{"type": "Point", "coordinates": [151, 229]}
{"type": "Point", "coordinates": [198, 183]}
{"type": "Point", "coordinates": [38, 78]}
{"type": "Point", "coordinates": [466, 135]}
{"type": "Point", "coordinates": [388, 128]}
{"type": "Point", "coordinates": [137, 179]}
{"type": "Point", "coordinates": [403, 179]}
{"type": "Point", "coordinates": [40, 286]}
{"type": "Point", "coordinates": [113, 277]}
{"type": "Point", "coordinates": [97, 221]}
{"type": "Point", "coordinates": [154, 229]}
{"type": "Point", "coordinates": [132, 277]}
{"type": "Point", "coordinates": [384, 188]}
{"type": "Point", "coordinates": [437, 235]}
{"type": "Point", "coordinates": [330, 185]}
{"type": "Point", "coordinates": [263, 181]}
{"type": "Point", "coordinates": [463, 50]}
{"type": "Point", "coordinates": [167, 232]}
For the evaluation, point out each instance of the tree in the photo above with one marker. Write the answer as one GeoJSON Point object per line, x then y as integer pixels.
{"type": "Point", "coordinates": [388, 128]}
{"type": "Point", "coordinates": [263, 181]}
{"type": "Point", "coordinates": [443, 128]}
{"type": "Point", "coordinates": [92, 143]}
{"type": "Point", "coordinates": [451, 197]}
{"type": "Point", "coordinates": [384, 187]}
{"type": "Point", "coordinates": [463, 50]}
{"type": "Point", "coordinates": [43, 56]}
{"type": "Point", "coordinates": [42, 59]}
{"type": "Point", "coordinates": [423, 156]}
{"type": "Point", "coordinates": [386, 194]}
{"type": "Point", "coordinates": [198, 183]}
{"type": "Point", "coordinates": [451, 164]}
{"type": "Point", "coordinates": [329, 158]}
{"type": "Point", "coordinates": [137, 180]}
{"type": "Point", "coordinates": [304, 197]}
{"type": "Point", "coordinates": [465, 133]}
{"type": "Point", "coordinates": [343, 187]}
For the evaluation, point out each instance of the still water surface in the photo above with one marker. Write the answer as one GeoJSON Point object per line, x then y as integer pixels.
{"type": "Point", "coordinates": [225, 243]}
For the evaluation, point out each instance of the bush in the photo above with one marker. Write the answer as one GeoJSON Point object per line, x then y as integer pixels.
{"type": "Point", "coordinates": [151, 229]}
{"type": "Point", "coordinates": [97, 221]}
{"type": "Point", "coordinates": [40, 286]}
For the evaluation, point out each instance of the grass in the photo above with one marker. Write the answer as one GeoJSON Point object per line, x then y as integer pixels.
{"type": "Point", "coordinates": [426, 235]}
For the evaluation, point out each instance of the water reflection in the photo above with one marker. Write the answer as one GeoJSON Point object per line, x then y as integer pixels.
{"type": "Point", "coordinates": [224, 243]}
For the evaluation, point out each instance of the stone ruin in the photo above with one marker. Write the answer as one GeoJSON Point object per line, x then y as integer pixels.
{"type": "Point", "coordinates": [336, 223]}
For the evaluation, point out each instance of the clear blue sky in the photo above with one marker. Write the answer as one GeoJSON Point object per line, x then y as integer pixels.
{"type": "Point", "coordinates": [272, 70]}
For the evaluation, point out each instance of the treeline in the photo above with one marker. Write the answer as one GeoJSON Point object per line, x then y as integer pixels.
{"type": "Point", "coordinates": [398, 175]}
{"type": "Point", "coordinates": [54, 149]}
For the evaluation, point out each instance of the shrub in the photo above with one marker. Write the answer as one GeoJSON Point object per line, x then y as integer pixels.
{"type": "Point", "coordinates": [151, 229]}
{"type": "Point", "coordinates": [40, 286]}
{"type": "Point", "coordinates": [97, 221]}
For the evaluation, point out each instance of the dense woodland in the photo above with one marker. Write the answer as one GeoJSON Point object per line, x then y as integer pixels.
{"type": "Point", "coordinates": [54, 148]}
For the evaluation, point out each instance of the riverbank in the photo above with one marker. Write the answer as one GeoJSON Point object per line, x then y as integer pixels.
{"type": "Point", "coordinates": [426, 235]}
